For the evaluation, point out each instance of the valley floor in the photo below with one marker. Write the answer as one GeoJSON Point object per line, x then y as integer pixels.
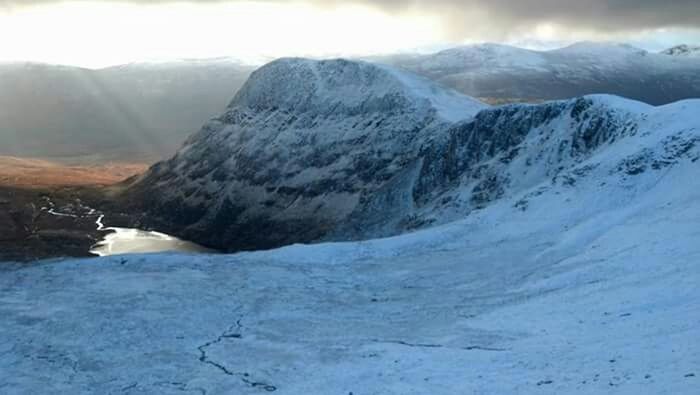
{"type": "Point", "coordinates": [32, 173]}
{"type": "Point", "coordinates": [30, 188]}
{"type": "Point", "coordinates": [505, 302]}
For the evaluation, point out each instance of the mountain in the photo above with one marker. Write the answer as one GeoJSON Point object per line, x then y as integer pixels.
{"type": "Point", "coordinates": [683, 50]}
{"type": "Point", "coordinates": [576, 272]}
{"type": "Point", "coordinates": [136, 112]}
{"type": "Point", "coordinates": [500, 73]}
{"type": "Point", "coordinates": [299, 148]}
{"type": "Point", "coordinates": [339, 150]}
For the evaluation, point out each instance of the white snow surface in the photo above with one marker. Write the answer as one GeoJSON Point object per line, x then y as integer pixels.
{"type": "Point", "coordinates": [298, 84]}
{"type": "Point", "coordinates": [593, 289]}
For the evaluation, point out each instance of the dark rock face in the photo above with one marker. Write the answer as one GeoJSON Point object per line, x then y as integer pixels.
{"type": "Point", "coordinates": [338, 150]}
{"type": "Point", "coordinates": [478, 161]}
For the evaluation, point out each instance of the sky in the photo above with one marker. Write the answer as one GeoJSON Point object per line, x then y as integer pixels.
{"type": "Point", "coordinates": [101, 33]}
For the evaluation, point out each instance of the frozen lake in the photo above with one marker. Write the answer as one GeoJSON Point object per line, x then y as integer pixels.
{"type": "Point", "coordinates": [132, 241]}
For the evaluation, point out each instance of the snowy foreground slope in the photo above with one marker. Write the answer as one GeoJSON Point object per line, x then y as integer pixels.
{"type": "Point", "coordinates": [589, 287]}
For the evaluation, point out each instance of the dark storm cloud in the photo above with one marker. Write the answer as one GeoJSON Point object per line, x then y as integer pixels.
{"type": "Point", "coordinates": [600, 15]}
{"type": "Point", "coordinates": [493, 16]}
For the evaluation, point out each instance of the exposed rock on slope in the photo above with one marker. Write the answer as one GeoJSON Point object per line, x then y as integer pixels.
{"type": "Point", "coordinates": [526, 150]}
{"type": "Point", "coordinates": [683, 50]}
{"type": "Point", "coordinates": [301, 146]}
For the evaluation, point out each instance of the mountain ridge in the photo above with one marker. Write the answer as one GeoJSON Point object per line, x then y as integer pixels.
{"type": "Point", "coordinates": [374, 162]}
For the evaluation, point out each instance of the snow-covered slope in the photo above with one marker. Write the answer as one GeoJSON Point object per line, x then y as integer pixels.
{"type": "Point", "coordinates": [683, 50]}
{"type": "Point", "coordinates": [297, 151]}
{"type": "Point", "coordinates": [503, 73]}
{"type": "Point", "coordinates": [586, 283]}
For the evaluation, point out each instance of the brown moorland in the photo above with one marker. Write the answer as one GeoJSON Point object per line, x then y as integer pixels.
{"type": "Point", "coordinates": [38, 173]}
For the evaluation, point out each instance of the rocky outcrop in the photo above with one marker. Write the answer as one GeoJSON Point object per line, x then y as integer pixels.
{"type": "Point", "coordinates": [683, 50]}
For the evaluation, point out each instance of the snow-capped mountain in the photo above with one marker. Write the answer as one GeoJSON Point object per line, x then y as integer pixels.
{"type": "Point", "coordinates": [501, 73]}
{"type": "Point", "coordinates": [301, 146]}
{"type": "Point", "coordinates": [683, 50]}
{"type": "Point", "coordinates": [339, 150]}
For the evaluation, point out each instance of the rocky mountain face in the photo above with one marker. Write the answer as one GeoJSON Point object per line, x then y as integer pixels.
{"type": "Point", "coordinates": [524, 151]}
{"type": "Point", "coordinates": [501, 73]}
{"type": "Point", "coordinates": [301, 146]}
{"type": "Point", "coordinates": [340, 150]}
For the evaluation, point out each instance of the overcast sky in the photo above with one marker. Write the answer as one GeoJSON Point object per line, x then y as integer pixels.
{"type": "Point", "coordinates": [102, 32]}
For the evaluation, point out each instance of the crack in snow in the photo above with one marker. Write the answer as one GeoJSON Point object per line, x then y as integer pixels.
{"type": "Point", "coordinates": [180, 386]}
{"type": "Point", "coordinates": [428, 345]}
{"type": "Point", "coordinates": [233, 332]}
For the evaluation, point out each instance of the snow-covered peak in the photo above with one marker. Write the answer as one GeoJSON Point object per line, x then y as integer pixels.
{"type": "Point", "coordinates": [683, 50]}
{"type": "Point", "coordinates": [302, 85]}
{"type": "Point", "coordinates": [618, 103]}
{"type": "Point", "coordinates": [601, 48]}
{"type": "Point", "coordinates": [493, 55]}
{"type": "Point", "coordinates": [180, 63]}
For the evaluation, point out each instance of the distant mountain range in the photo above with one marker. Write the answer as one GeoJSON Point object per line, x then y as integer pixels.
{"type": "Point", "coordinates": [135, 112]}
{"type": "Point", "coordinates": [143, 112]}
{"type": "Point", "coordinates": [500, 73]}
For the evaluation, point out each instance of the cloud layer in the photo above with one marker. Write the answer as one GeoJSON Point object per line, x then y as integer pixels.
{"type": "Point", "coordinates": [495, 19]}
